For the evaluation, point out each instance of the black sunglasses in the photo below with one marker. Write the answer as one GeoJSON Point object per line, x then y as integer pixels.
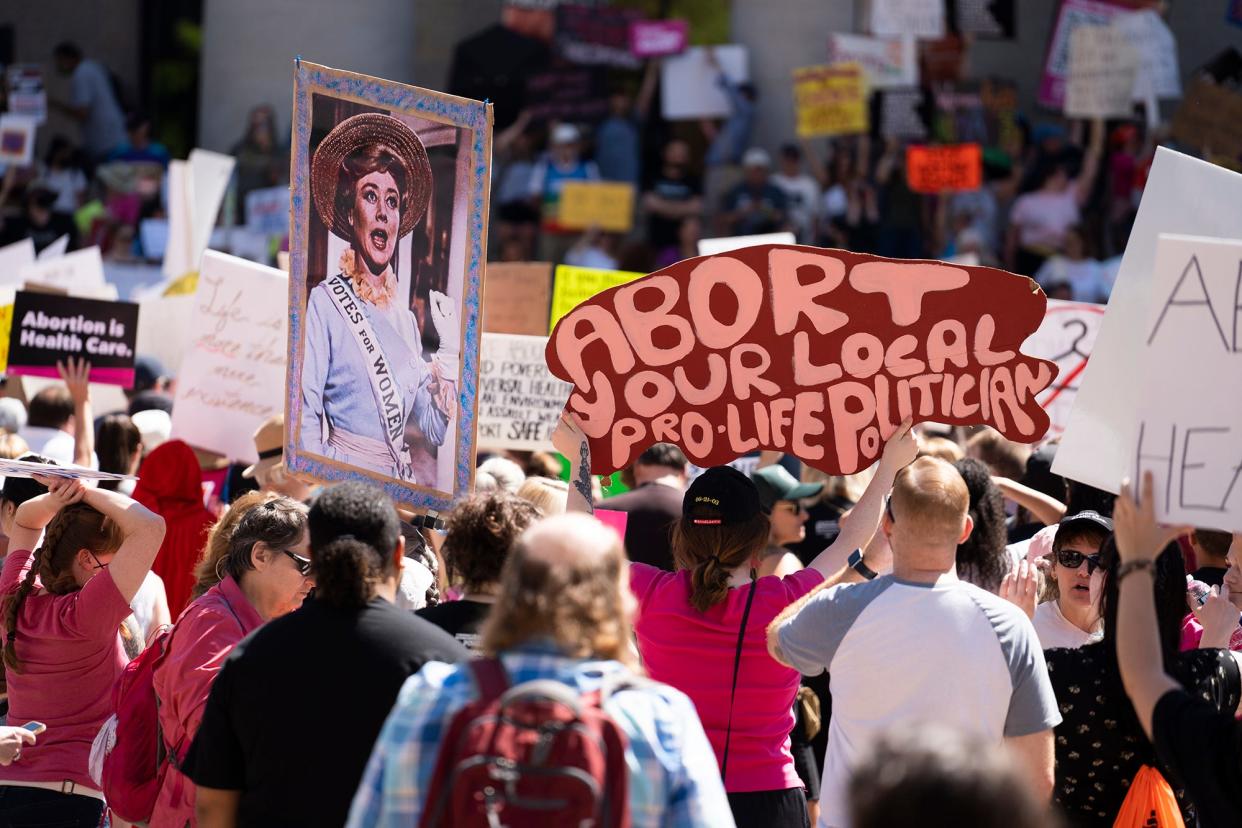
{"type": "Point", "coordinates": [1071, 559]}
{"type": "Point", "coordinates": [303, 564]}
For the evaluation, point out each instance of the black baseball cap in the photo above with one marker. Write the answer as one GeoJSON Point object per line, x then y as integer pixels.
{"type": "Point", "coordinates": [1087, 517]}
{"type": "Point", "coordinates": [721, 496]}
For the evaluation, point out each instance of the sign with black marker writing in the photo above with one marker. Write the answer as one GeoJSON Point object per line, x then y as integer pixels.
{"type": "Point", "coordinates": [520, 401]}
{"type": "Point", "coordinates": [49, 328]}
{"type": "Point", "coordinates": [1189, 432]}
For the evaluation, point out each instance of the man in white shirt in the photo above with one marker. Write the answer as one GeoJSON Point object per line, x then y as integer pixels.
{"type": "Point", "coordinates": [801, 193]}
{"type": "Point", "coordinates": [920, 645]}
{"type": "Point", "coordinates": [52, 427]}
{"type": "Point", "coordinates": [93, 103]}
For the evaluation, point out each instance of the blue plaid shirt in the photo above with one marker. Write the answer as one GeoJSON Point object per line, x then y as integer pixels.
{"type": "Point", "coordinates": [674, 779]}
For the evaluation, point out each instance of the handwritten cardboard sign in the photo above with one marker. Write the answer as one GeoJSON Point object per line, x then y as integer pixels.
{"type": "Point", "coordinates": [1102, 68]}
{"type": "Point", "coordinates": [520, 402]}
{"type": "Point", "coordinates": [888, 61]}
{"type": "Point", "coordinates": [608, 205]}
{"type": "Point", "coordinates": [817, 353]}
{"type": "Point", "coordinates": [232, 377]}
{"type": "Point", "coordinates": [1066, 337]}
{"type": "Point", "coordinates": [48, 328]}
{"type": "Point", "coordinates": [658, 38]}
{"type": "Point", "coordinates": [944, 169]}
{"type": "Point", "coordinates": [1210, 120]}
{"type": "Point", "coordinates": [574, 285]}
{"type": "Point", "coordinates": [517, 297]}
{"type": "Point", "coordinates": [1189, 434]}
{"type": "Point", "coordinates": [830, 100]}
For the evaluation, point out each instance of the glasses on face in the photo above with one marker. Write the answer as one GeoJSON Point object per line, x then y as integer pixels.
{"type": "Point", "coordinates": [1071, 559]}
{"type": "Point", "coordinates": [303, 564]}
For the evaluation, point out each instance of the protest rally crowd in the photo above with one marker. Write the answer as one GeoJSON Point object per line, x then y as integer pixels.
{"type": "Point", "coordinates": [957, 633]}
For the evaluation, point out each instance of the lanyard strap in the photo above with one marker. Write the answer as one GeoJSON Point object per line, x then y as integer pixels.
{"type": "Point", "coordinates": [737, 663]}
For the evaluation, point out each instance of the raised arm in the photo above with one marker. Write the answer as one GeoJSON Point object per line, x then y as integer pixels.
{"type": "Point", "coordinates": [1046, 508]}
{"type": "Point", "coordinates": [142, 533]}
{"type": "Point", "coordinates": [76, 374]}
{"type": "Point", "coordinates": [570, 441]}
{"type": "Point", "coordinates": [642, 103]}
{"type": "Point", "coordinates": [34, 515]}
{"type": "Point", "coordinates": [1090, 162]}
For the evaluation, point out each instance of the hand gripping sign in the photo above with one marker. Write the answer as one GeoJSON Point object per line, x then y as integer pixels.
{"type": "Point", "coordinates": [818, 353]}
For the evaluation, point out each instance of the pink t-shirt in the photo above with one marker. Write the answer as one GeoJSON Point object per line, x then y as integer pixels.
{"type": "Point", "coordinates": [1043, 218]}
{"type": "Point", "coordinates": [71, 655]}
{"type": "Point", "coordinates": [694, 652]}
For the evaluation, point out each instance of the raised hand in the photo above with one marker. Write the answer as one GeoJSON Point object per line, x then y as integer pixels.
{"type": "Point", "coordinates": [1021, 587]}
{"type": "Point", "coordinates": [1139, 537]}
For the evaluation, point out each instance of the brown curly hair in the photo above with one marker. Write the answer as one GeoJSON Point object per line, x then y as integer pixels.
{"type": "Point", "coordinates": [481, 531]}
{"type": "Point", "coordinates": [75, 527]}
{"type": "Point", "coordinates": [711, 553]}
{"type": "Point", "coordinates": [209, 570]}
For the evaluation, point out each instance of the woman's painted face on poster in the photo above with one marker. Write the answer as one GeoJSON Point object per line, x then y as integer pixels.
{"type": "Point", "coordinates": [375, 218]}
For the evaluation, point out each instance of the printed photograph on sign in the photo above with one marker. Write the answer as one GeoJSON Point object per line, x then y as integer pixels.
{"type": "Point", "coordinates": [389, 197]}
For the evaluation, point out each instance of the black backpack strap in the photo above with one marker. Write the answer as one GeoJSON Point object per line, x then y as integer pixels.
{"type": "Point", "coordinates": [737, 663]}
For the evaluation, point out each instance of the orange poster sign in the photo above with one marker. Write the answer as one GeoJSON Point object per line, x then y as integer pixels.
{"type": "Point", "coordinates": [944, 169]}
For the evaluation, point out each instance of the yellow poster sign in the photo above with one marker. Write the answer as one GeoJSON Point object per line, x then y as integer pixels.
{"type": "Point", "coordinates": [830, 100]}
{"type": "Point", "coordinates": [608, 205]}
{"type": "Point", "coordinates": [574, 285]}
{"type": "Point", "coordinates": [6, 328]}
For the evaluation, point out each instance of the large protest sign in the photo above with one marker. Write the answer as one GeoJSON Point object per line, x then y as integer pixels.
{"type": "Point", "coordinates": [79, 272]}
{"type": "Point", "coordinates": [1158, 74]}
{"type": "Point", "coordinates": [990, 19]}
{"type": "Point", "coordinates": [574, 285]}
{"type": "Point", "coordinates": [817, 353]}
{"type": "Point", "coordinates": [944, 169]}
{"type": "Point", "coordinates": [520, 401]}
{"type": "Point", "coordinates": [1210, 120]}
{"type": "Point", "coordinates": [723, 244]}
{"type": "Point", "coordinates": [49, 328]}
{"type": "Point", "coordinates": [658, 38]}
{"type": "Point", "coordinates": [690, 85]}
{"type": "Point", "coordinates": [919, 18]}
{"type": "Point", "coordinates": [517, 297]}
{"type": "Point", "coordinates": [1070, 15]}
{"type": "Point", "coordinates": [596, 35]}
{"type": "Point", "coordinates": [1065, 337]}
{"type": "Point", "coordinates": [608, 205]}
{"type": "Point", "coordinates": [1184, 196]}
{"type": "Point", "coordinates": [830, 100]}
{"type": "Point", "coordinates": [17, 140]}
{"type": "Point", "coordinates": [13, 260]}
{"type": "Point", "coordinates": [384, 308]}
{"type": "Point", "coordinates": [1102, 67]}
{"type": "Point", "coordinates": [566, 93]}
{"type": "Point", "coordinates": [232, 377]}
{"type": "Point", "coordinates": [887, 61]}
{"type": "Point", "coordinates": [27, 94]}
{"type": "Point", "coordinates": [900, 113]}
{"type": "Point", "coordinates": [1189, 432]}
{"type": "Point", "coordinates": [196, 189]}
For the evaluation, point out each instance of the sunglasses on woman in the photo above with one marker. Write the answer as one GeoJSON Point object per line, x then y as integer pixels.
{"type": "Point", "coordinates": [303, 564]}
{"type": "Point", "coordinates": [1070, 559]}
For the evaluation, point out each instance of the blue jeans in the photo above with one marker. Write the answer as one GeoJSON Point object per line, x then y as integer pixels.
{"type": "Point", "coordinates": [39, 808]}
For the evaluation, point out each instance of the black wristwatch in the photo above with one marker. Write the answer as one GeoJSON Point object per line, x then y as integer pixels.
{"type": "Point", "coordinates": [856, 563]}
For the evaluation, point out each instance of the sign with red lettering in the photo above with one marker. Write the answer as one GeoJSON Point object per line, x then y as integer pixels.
{"type": "Point", "coordinates": [944, 169]}
{"type": "Point", "coordinates": [817, 353]}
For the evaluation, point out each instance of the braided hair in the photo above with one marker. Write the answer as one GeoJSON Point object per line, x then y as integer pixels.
{"type": "Point", "coordinates": [75, 527]}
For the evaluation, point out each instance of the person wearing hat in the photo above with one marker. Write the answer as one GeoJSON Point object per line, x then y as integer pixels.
{"type": "Point", "coordinates": [269, 470]}
{"type": "Point", "coordinates": [562, 162]}
{"type": "Point", "coordinates": [756, 205]}
{"type": "Point", "coordinates": [368, 396]}
{"type": "Point", "coordinates": [781, 496]}
{"type": "Point", "coordinates": [1072, 619]}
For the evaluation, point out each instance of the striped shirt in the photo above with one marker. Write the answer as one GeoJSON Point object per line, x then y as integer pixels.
{"type": "Point", "coordinates": [674, 780]}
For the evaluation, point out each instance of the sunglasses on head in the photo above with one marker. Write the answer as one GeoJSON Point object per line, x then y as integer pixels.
{"type": "Point", "coordinates": [1070, 559]}
{"type": "Point", "coordinates": [303, 564]}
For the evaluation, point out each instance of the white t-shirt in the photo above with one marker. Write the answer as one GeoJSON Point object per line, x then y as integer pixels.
{"type": "Point", "coordinates": [901, 652]}
{"type": "Point", "coordinates": [1056, 631]}
{"type": "Point", "coordinates": [1085, 277]}
{"type": "Point", "coordinates": [802, 197]}
{"type": "Point", "coordinates": [149, 596]}
{"type": "Point", "coordinates": [53, 443]}
{"type": "Point", "coordinates": [1042, 218]}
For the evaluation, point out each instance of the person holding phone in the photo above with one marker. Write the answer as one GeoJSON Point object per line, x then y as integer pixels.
{"type": "Point", "coordinates": [62, 614]}
{"type": "Point", "coordinates": [12, 739]}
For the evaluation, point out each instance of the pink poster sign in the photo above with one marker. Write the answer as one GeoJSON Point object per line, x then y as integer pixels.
{"type": "Point", "coordinates": [657, 38]}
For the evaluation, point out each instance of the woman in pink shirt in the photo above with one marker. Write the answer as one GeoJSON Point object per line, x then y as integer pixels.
{"type": "Point", "coordinates": [264, 577]}
{"type": "Point", "coordinates": [62, 614]}
{"type": "Point", "coordinates": [702, 629]}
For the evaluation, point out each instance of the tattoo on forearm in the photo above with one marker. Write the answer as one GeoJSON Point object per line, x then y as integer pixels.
{"type": "Point", "coordinates": [583, 483]}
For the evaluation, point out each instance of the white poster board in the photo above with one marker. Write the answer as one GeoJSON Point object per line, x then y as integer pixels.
{"type": "Point", "coordinates": [710, 247]}
{"type": "Point", "coordinates": [232, 376]}
{"type": "Point", "coordinates": [163, 324]}
{"type": "Point", "coordinates": [55, 249]}
{"type": "Point", "coordinates": [1102, 69]}
{"type": "Point", "coordinates": [79, 273]}
{"type": "Point", "coordinates": [1066, 337]}
{"type": "Point", "coordinates": [14, 258]}
{"type": "Point", "coordinates": [520, 401]}
{"type": "Point", "coordinates": [1158, 74]}
{"type": "Point", "coordinates": [920, 18]}
{"type": "Point", "coordinates": [1189, 429]}
{"type": "Point", "coordinates": [195, 191]}
{"type": "Point", "coordinates": [1185, 196]}
{"type": "Point", "coordinates": [888, 61]}
{"type": "Point", "coordinates": [690, 87]}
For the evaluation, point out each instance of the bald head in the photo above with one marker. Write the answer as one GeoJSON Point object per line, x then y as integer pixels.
{"type": "Point", "coordinates": [929, 507]}
{"type": "Point", "coordinates": [572, 540]}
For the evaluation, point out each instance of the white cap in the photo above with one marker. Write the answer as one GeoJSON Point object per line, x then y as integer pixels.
{"type": "Point", "coordinates": [565, 134]}
{"type": "Point", "coordinates": [12, 414]}
{"type": "Point", "coordinates": [756, 157]}
{"type": "Point", "coordinates": [154, 425]}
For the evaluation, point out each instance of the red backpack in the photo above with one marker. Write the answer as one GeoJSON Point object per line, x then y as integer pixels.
{"type": "Point", "coordinates": [531, 755]}
{"type": "Point", "coordinates": [134, 767]}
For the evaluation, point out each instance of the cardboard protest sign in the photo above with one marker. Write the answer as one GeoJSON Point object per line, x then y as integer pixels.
{"type": "Point", "coordinates": [566, 93]}
{"type": "Point", "coordinates": [383, 373]}
{"type": "Point", "coordinates": [710, 247]}
{"type": "Point", "coordinates": [689, 85]}
{"type": "Point", "coordinates": [944, 169]}
{"type": "Point", "coordinates": [27, 94]}
{"type": "Point", "coordinates": [1065, 337]}
{"type": "Point", "coordinates": [1071, 15]}
{"type": "Point", "coordinates": [517, 297]}
{"type": "Point", "coordinates": [78, 272]}
{"type": "Point", "coordinates": [17, 140]}
{"type": "Point", "coordinates": [830, 100]}
{"type": "Point", "coordinates": [574, 285]}
{"type": "Point", "coordinates": [608, 205]}
{"type": "Point", "coordinates": [920, 18]}
{"type": "Point", "coordinates": [1210, 120]}
{"type": "Point", "coordinates": [1148, 35]}
{"type": "Point", "coordinates": [901, 114]}
{"type": "Point", "coordinates": [1189, 433]}
{"type": "Point", "coordinates": [232, 377]}
{"type": "Point", "coordinates": [987, 19]}
{"type": "Point", "coordinates": [596, 35]}
{"type": "Point", "coordinates": [1102, 69]}
{"type": "Point", "coordinates": [1185, 196]}
{"type": "Point", "coordinates": [658, 38]}
{"type": "Point", "coordinates": [48, 328]}
{"type": "Point", "coordinates": [267, 211]}
{"type": "Point", "coordinates": [520, 402]}
{"type": "Point", "coordinates": [817, 353]}
{"type": "Point", "coordinates": [887, 61]}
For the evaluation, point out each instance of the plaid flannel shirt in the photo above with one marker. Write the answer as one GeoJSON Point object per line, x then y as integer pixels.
{"type": "Point", "coordinates": [674, 780]}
